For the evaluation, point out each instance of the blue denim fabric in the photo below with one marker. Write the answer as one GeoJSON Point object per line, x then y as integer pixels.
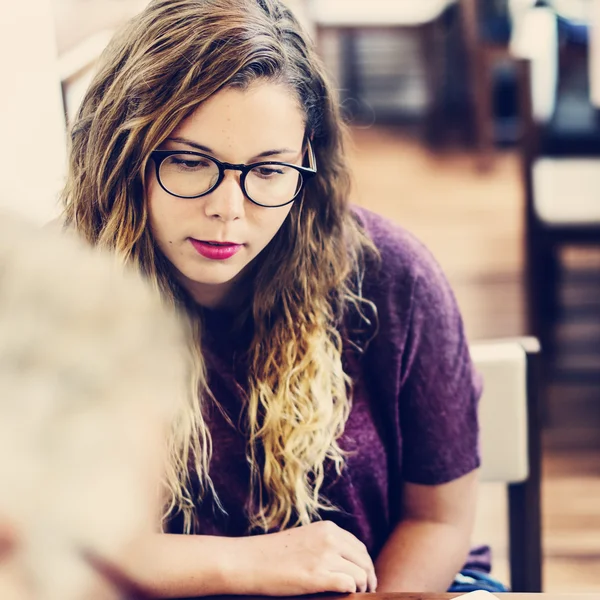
{"type": "Point", "coordinates": [469, 580]}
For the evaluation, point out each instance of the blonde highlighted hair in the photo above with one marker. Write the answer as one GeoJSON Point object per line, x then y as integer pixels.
{"type": "Point", "coordinates": [172, 57]}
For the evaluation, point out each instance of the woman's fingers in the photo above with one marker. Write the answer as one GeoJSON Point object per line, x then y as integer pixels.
{"type": "Point", "coordinates": [337, 582]}
{"type": "Point", "coordinates": [356, 552]}
{"type": "Point", "coordinates": [358, 574]}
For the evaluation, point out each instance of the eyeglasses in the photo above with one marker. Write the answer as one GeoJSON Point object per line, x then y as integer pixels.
{"type": "Point", "coordinates": [188, 174]}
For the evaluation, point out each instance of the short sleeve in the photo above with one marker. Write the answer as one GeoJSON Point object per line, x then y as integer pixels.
{"type": "Point", "coordinates": [440, 389]}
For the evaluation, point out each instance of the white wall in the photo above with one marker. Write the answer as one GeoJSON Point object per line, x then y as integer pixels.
{"type": "Point", "coordinates": [32, 126]}
{"type": "Point", "coordinates": [594, 57]}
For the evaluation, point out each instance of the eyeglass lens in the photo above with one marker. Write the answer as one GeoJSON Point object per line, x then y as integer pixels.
{"type": "Point", "coordinates": [190, 175]}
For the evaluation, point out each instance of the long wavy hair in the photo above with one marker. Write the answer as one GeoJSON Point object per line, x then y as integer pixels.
{"type": "Point", "coordinates": [155, 73]}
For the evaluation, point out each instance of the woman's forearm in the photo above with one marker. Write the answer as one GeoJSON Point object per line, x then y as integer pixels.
{"type": "Point", "coordinates": [315, 558]}
{"type": "Point", "coordinates": [421, 556]}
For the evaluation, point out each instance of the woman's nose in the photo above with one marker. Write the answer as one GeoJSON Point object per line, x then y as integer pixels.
{"type": "Point", "coordinates": [227, 202]}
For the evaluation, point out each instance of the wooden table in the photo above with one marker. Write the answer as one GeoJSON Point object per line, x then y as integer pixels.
{"type": "Point", "coordinates": [413, 596]}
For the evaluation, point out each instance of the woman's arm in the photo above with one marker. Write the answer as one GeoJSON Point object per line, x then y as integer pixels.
{"type": "Point", "coordinates": [430, 546]}
{"type": "Point", "coordinates": [320, 557]}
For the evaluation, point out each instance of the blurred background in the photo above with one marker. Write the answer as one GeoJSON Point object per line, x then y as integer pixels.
{"type": "Point", "coordinates": [475, 125]}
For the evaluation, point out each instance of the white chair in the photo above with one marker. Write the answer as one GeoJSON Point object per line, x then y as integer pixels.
{"type": "Point", "coordinates": [510, 447]}
{"type": "Point", "coordinates": [566, 191]}
{"type": "Point", "coordinates": [594, 56]}
{"type": "Point", "coordinates": [377, 13]}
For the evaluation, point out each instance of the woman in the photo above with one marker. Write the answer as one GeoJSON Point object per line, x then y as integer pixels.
{"type": "Point", "coordinates": [330, 440]}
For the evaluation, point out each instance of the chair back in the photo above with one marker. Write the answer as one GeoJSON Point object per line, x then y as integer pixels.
{"type": "Point", "coordinates": [503, 411]}
{"type": "Point", "coordinates": [511, 449]}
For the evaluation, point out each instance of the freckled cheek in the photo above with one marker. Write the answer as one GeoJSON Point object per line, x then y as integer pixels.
{"type": "Point", "coordinates": [160, 204]}
{"type": "Point", "coordinates": [267, 228]}
{"type": "Point", "coordinates": [278, 219]}
{"type": "Point", "coordinates": [165, 218]}
{"type": "Point", "coordinates": [152, 204]}
{"type": "Point", "coordinates": [267, 220]}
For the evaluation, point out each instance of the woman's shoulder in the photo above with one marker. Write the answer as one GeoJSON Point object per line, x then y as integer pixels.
{"type": "Point", "coordinates": [403, 259]}
{"type": "Point", "coordinates": [419, 322]}
{"type": "Point", "coordinates": [407, 285]}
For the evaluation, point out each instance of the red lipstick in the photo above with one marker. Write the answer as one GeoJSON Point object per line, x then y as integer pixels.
{"type": "Point", "coordinates": [216, 250]}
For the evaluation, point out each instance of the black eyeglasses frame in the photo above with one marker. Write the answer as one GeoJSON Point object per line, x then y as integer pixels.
{"type": "Point", "coordinates": [307, 173]}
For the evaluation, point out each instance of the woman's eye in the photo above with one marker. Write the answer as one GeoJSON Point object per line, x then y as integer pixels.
{"type": "Point", "coordinates": [269, 171]}
{"type": "Point", "coordinates": [189, 163]}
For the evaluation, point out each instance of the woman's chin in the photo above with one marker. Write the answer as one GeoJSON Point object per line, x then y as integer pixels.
{"type": "Point", "coordinates": [211, 290]}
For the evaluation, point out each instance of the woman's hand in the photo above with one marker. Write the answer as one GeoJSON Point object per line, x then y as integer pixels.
{"type": "Point", "coordinates": [320, 557]}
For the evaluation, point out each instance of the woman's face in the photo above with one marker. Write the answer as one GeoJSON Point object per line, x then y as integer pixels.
{"type": "Point", "coordinates": [262, 122]}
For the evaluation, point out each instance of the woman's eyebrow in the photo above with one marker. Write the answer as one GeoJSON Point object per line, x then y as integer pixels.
{"type": "Point", "coordinates": [187, 142]}
{"type": "Point", "coordinates": [208, 150]}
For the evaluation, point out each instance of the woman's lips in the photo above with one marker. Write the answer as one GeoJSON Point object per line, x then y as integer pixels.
{"type": "Point", "coordinates": [216, 250]}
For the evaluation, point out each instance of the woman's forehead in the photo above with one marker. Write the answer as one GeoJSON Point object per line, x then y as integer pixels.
{"type": "Point", "coordinates": [241, 123]}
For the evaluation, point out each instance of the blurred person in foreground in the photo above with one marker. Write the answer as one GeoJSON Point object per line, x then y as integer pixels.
{"type": "Point", "coordinates": [91, 372]}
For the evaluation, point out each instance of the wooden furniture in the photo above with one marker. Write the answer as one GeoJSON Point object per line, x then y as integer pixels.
{"type": "Point", "coordinates": [482, 52]}
{"type": "Point", "coordinates": [511, 447]}
{"type": "Point", "coordinates": [350, 19]}
{"type": "Point", "coordinates": [562, 207]}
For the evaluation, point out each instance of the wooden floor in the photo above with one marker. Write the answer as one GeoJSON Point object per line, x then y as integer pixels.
{"type": "Point", "coordinates": [473, 224]}
{"type": "Point", "coordinates": [471, 221]}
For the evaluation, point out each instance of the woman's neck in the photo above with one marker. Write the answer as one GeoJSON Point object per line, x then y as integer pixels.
{"type": "Point", "coordinates": [227, 296]}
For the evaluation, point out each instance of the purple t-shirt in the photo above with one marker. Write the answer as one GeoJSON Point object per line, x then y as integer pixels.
{"type": "Point", "coordinates": [414, 409]}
